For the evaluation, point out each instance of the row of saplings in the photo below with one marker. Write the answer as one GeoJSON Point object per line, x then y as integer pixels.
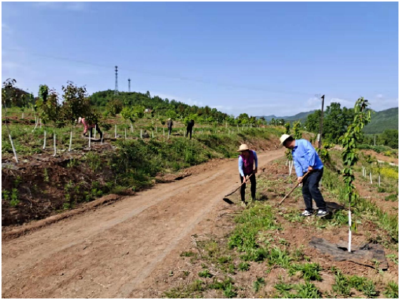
{"type": "Point", "coordinates": [75, 109]}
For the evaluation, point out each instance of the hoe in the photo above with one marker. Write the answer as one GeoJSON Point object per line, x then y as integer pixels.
{"type": "Point", "coordinates": [297, 184]}
{"type": "Point", "coordinates": [225, 197]}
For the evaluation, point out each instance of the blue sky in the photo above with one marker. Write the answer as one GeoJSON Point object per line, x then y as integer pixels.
{"type": "Point", "coordinates": [258, 58]}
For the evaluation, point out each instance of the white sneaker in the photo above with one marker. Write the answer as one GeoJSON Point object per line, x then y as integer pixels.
{"type": "Point", "coordinates": [322, 213]}
{"type": "Point", "coordinates": [306, 213]}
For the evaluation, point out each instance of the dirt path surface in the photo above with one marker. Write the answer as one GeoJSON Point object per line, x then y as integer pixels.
{"type": "Point", "coordinates": [111, 251]}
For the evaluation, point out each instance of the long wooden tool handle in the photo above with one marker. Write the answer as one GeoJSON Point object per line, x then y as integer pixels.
{"type": "Point", "coordinates": [304, 176]}
{"type": "Point", "coordinates": [239, 186]}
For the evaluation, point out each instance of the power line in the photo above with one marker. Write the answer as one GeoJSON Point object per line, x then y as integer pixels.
{"type": "Point", "coordinates": [224, 84]}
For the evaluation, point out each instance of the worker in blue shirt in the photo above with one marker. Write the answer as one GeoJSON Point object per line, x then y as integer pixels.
{"type": "Point", "coordinates": [306, 159]}
{"type": "Point", "coordinates": [247, 160]}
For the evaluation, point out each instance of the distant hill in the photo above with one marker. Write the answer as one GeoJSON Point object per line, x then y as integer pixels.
{"type": "Point", "coordinates": [382, 120]}
{"type": "Point", "coordinates": [302, 117]}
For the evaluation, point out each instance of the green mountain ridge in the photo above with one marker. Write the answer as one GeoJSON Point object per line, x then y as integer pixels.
{"type": "Point", "coordinates": [380, 120]}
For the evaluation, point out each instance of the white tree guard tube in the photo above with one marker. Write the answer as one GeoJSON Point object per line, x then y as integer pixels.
{"type": "Point", "coordinates": [141, 133]}
{"type": "Point", "coordinates": [55, 146]}
{"type": "Point", "coordinates": [152, 134]}
{"type": "Point", "coordinates": [349, 247]}
{"type": "Point", "coordinates": [44, 140]}
{"type": "Point", "coordinates": [115, 131]}
{"type": "Point", "coordinates": [370, 177]}
{"type": "Point", "coordinates": [36, 124]}
{"type": "Point", "coordinates": [70, 142]}
{"type": "Point", "coordinates": [125, 133]}
{"type": "Point", "coordinates": [90, 138]}
{"type": "Point", "coordinates": [12, 145]}
{"type": "Point", "coordinates": [379, 180]}
{"type": "Point", "coordinates": [163, 132]}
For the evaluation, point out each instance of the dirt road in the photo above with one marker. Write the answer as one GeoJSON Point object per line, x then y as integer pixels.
{"type": "Point", "coordinates": [111, 251]}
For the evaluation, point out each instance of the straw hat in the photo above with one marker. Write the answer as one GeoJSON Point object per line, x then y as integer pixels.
{"type": "Point", "coordinates": [243, 147]}
{"type": "Point", "coordinates": [283, 138]}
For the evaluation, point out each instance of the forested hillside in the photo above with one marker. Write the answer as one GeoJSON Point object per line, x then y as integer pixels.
{"type": "Point", "coordinates": [382, 120]}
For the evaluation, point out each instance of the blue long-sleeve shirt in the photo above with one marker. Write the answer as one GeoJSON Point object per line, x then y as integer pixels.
{"type": "Point", "coordinates": [241, 163]}
{"type": "Point", "coordinates": [304, 156]}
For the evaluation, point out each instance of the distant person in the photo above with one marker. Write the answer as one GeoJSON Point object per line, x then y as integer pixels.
{"type": "Point", "coordinates": [189, 128]}
{"type": "Point", "coordinates": [306, 159]}
{"type": "Point", "coordinates": [87, 126]}
{"type": "Point", "coordinates": [145, 134]}
{"type": "Point", "coordinates": [170, 124]}
{"type": "Point", "coordinates": [247, 160]}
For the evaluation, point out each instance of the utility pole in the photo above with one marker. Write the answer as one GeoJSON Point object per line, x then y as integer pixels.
{"type": "Point", "coordinates": [116, 80]}
{"type": "Point", "coordinates": [321, 123]}
{"type": "Point", "coordinates": [129, 85]}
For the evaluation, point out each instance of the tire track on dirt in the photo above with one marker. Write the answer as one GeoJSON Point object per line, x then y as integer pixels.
{"type": "Point", "coordinates": [110, 251]}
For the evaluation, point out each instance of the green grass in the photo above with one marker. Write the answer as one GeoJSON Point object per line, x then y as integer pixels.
{"type": "Point", "coordinates": [309, 271]}
{"type": "Point", "coordinates": [392, 290]}
{"type": "Point", "coordinates": [306, 290]}
{"type": "Point", "coordinates": [344, 284]}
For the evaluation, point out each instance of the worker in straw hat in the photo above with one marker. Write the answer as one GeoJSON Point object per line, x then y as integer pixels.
{"type": "Point", "coordinates": [247, 160]}
{"type": "Point", "coordinates": [306, 159]}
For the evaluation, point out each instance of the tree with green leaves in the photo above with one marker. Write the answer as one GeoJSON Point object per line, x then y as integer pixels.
{"type": "Point", "coordinates": [349, 141]}
{"type": "Point", "coordinates": [287, 128]}
{"type": "Point", "coordinates": [297, 130]}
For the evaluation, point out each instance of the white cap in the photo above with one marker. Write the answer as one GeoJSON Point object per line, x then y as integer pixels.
{"type": "Point", "coordinates": [283, 138]}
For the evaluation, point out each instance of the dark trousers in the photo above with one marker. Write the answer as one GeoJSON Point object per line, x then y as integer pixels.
{"type": "Point", "coordinates": [98, 130]}
{"type": "Point", "coordinates": [189, 130]}
{"type": "Point", "coordinates": [170, 130]}
{"type": "Point", "coordinates": [253, 187]}
{"type": "Point", "coordinates": [311, 190]}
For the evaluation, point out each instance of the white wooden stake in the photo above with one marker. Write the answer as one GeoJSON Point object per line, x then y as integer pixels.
{"type": "Point", "coordinates": [370, 177]}
{"type": "Point", "coordinates": [152, 134]}
{"type": "Point", "coordinates": [36, 124]}
{"type": "Point", "coordinates": [379, 180]}
{"type": "Point", "coordinates": [44, 140]}
{"type": "Point", "coordinates": [349, 247]}
{"type": "Point", "coordinates": [55, 147]}
{"type": "Point", "coordinates": [70, 142]}
{"type": "Point", "coordinates": [141, 133]}
{"type": "Point", "coordinates": [90, 138]}
{"type": "Point", "coordinates": [12, 145]}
